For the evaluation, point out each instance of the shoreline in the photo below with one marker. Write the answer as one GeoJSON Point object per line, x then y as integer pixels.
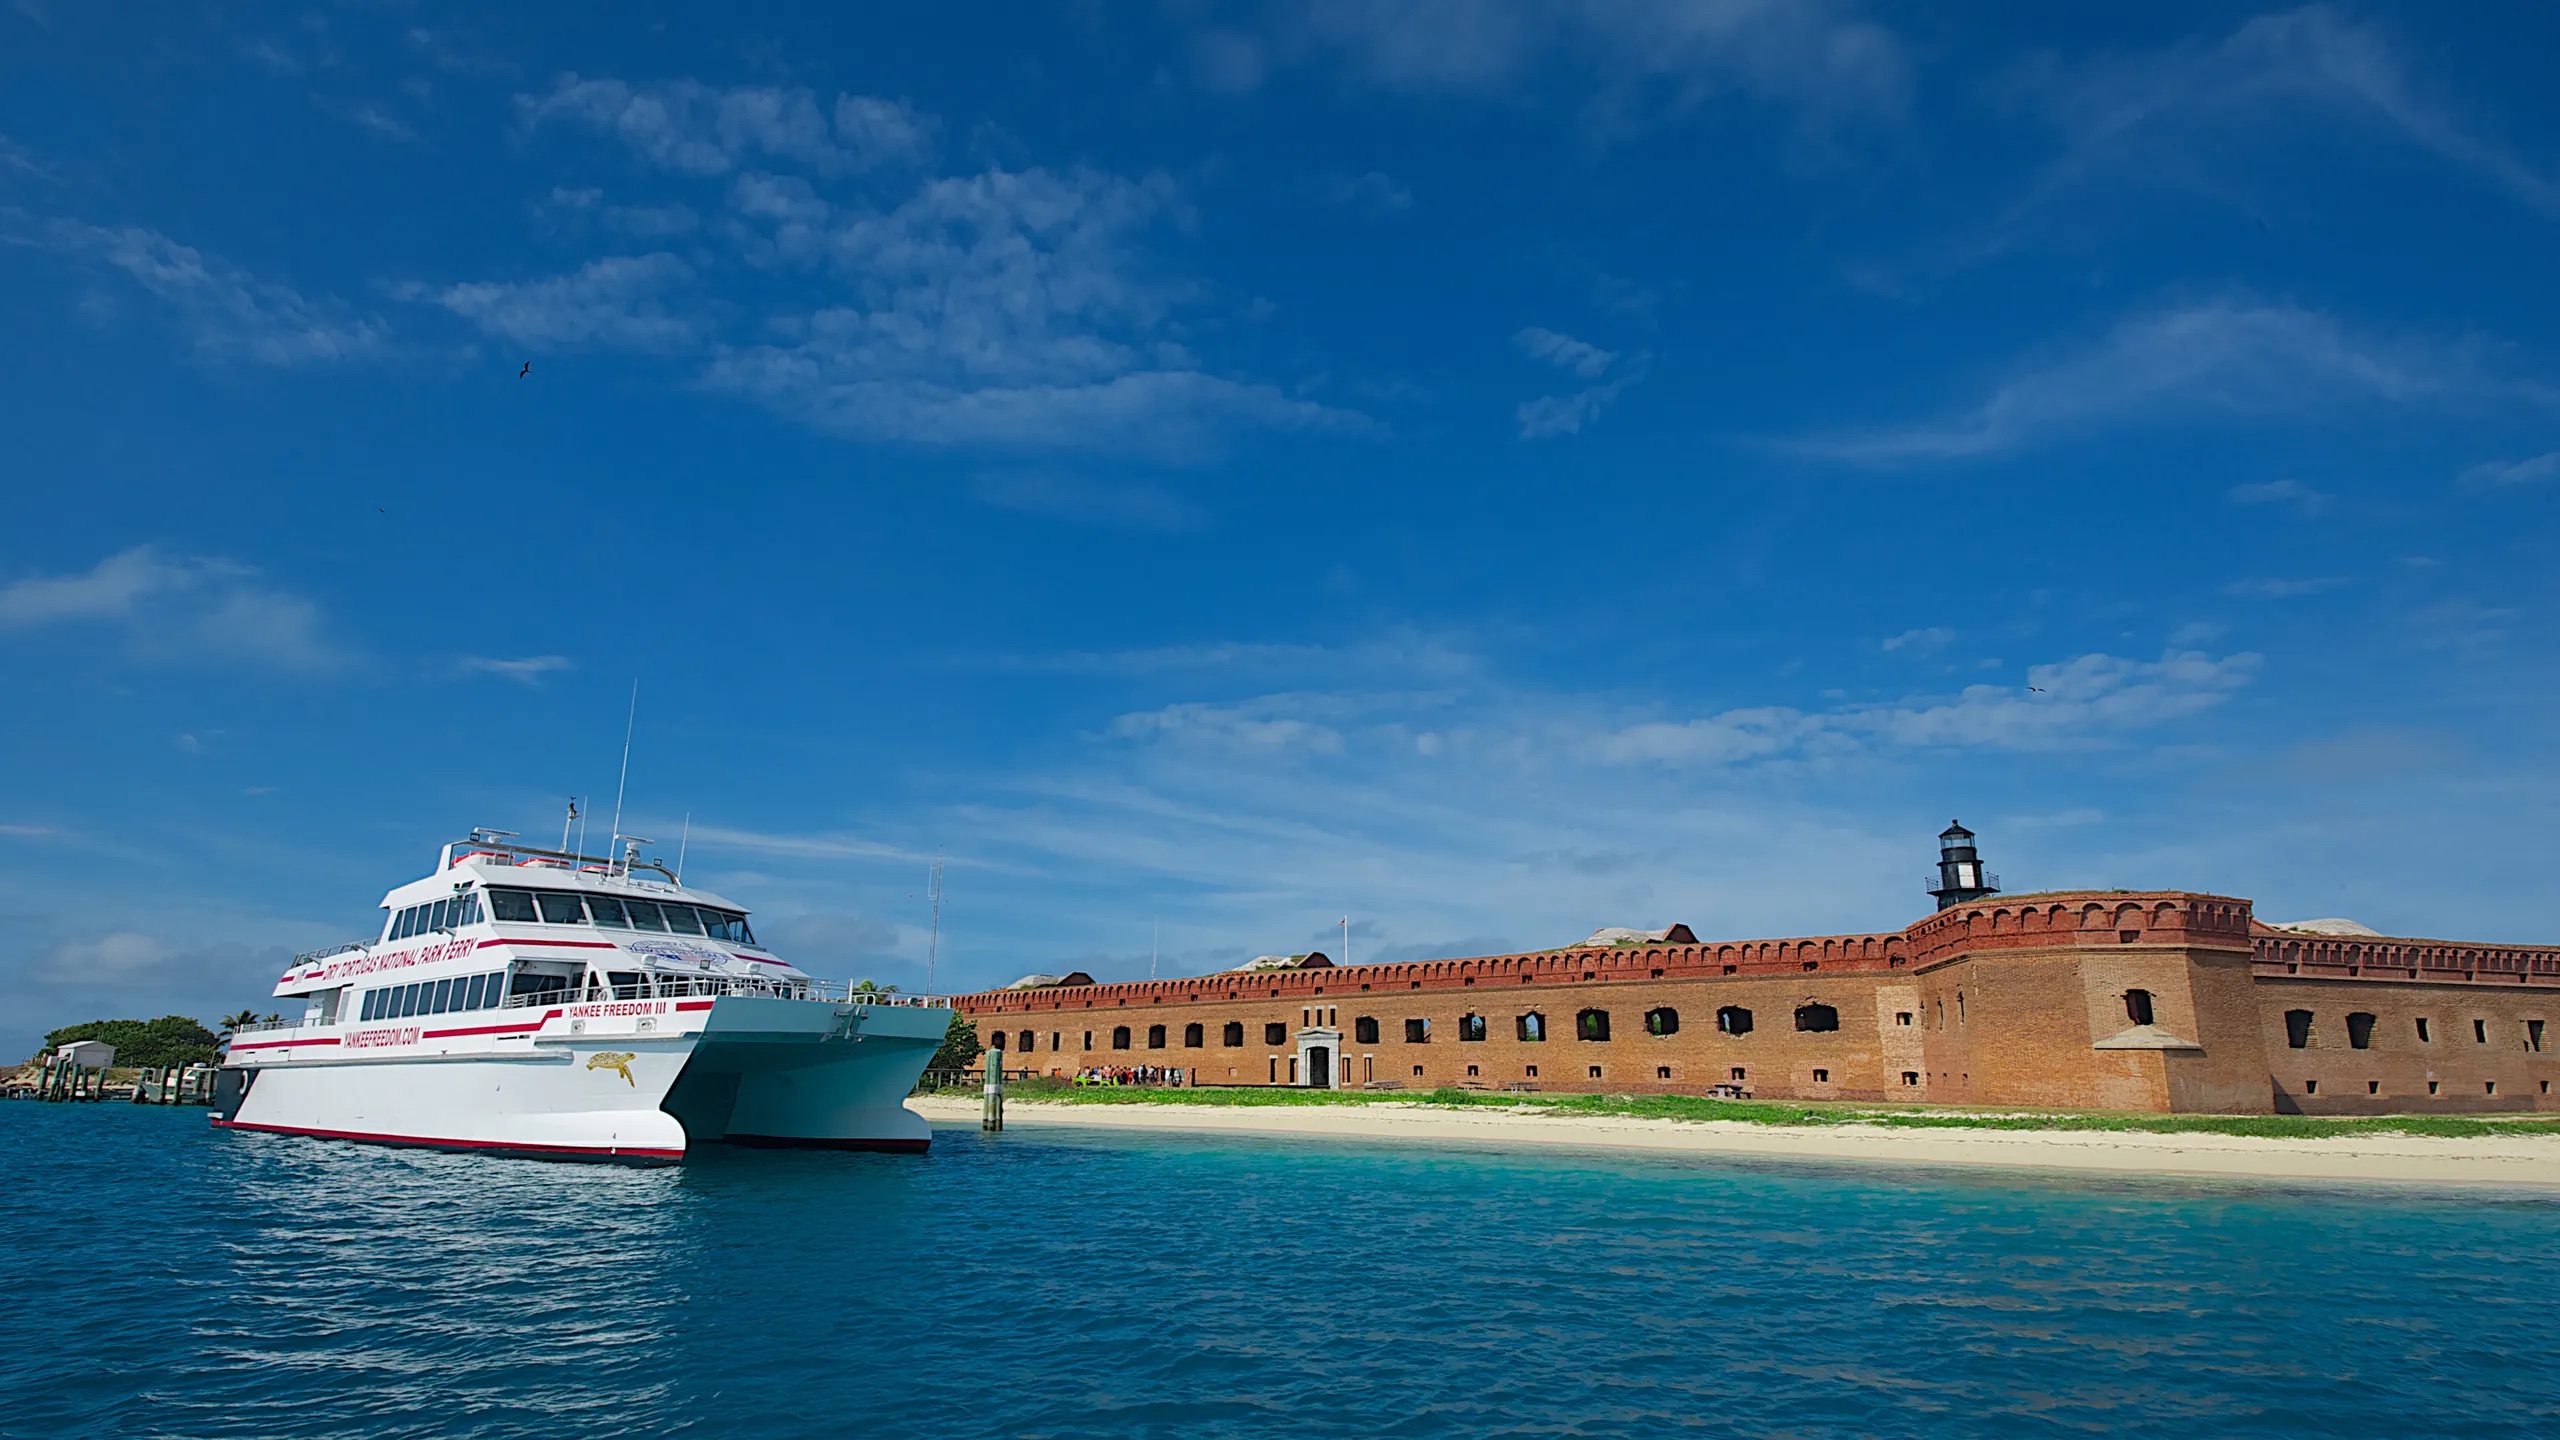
{"type": "Point", "coordinates": [2531, 1162]}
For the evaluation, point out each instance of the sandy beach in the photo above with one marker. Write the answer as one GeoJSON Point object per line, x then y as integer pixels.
{"type": "Point", "coordinates": [2378, 1159]}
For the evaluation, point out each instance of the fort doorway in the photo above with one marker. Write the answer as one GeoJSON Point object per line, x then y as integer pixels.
{"type": "Point", "coordinates": [1320, 1068]}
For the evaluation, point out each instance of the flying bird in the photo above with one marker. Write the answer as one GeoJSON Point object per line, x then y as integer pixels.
{"type": "Point", "coordinates": [527, 370]}
{"type": "Point", "coordinates": [2035, 689]}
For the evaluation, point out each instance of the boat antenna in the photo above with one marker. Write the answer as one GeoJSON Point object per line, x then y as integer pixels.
{"type": "Point", "coordinates": [569, 820]}
{"type": "Point", "coordinates": [629, 722]}
{"type": "Point", "coordinates": [933, 940]}
{"type": "Point", "coordinates": [1346, 939]}
{"type": "Point", "coordinates": [1155, 935]}
{"type": "Point", "coordinates": [582, 841]}
{"type": "Point", "coordinates": [681, 841]}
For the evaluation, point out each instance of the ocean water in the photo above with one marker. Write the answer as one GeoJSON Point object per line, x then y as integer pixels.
{"type": "Point", "coordinates": [163, 1280]}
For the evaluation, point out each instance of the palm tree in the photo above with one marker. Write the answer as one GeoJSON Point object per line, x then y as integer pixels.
{"type": "Point", "coordinates": [231, 1023]}
{"type": "Point", "coordinates": [874, 987]}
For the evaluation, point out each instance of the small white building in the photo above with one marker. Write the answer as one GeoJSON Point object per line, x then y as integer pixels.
{"type": "Point", "coordinates": [87, 1054]}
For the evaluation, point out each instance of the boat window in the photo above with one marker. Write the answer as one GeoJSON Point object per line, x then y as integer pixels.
{"type": "Point", "coordinates": [644, 915]}
{"type": "Point", "coordinates": [513, 905]}
{"type": "Point", "coordinates": [559, 909]}
{"type": "Point", "coordinates": [467, 992]}
{"type": "Point", "coordinates": [438, 914]}
{"type": "Point", "coordinates": [408, 1000]}
{"type": "Point", "coordinates": [680, 919]}
{"type": "Point", "coordinates": [466, 909]}
{"type": "Point", "coordinates": [436, 1003]}
{"type": "Point", "coordinates": [400, 924]}
{"type": "Point", "coordinates": [627, 984]}
{"type": "Point", "coordinates": [364, 1007]}
{"type": "Point", "coordinates": [608, 911]}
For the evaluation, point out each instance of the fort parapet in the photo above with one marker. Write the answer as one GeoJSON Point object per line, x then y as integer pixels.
{"type": "Point", "coordinates": [2163, 1001]}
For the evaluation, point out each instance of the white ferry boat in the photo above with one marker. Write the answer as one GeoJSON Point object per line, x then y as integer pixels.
{"type": "Point", "coordinates": [552, 1004]}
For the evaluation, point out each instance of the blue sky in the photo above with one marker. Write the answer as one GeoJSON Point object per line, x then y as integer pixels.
{"type": "Point", "coordinates": [1489, 470]}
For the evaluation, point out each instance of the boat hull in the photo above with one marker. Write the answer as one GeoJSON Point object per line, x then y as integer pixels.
{"type": "Point", "coordinates": [751, 1070]}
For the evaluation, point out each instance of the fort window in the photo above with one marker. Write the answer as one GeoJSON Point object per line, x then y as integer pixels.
{"type": "Point", "coordinates": [1470, 1027]}
{"type": "Point", "coordinates": [1194, 1036]}
{"type": "Point", "coordinates": [996, 1041]}
{"type": "Point", "coordinates": [1959, 1007]}
{"type": "Point", "coordinates": [1417, 1070]}
{"type": "Point", "coordinates": [1030, 1042]}
{"type": "Point", "coordinates": [1088, 1039]}
{"type": "Point", "coordinates": [2297, 1028]}
{"type": "Point", "coordinates": [1817, 1018]}
{"type": "Point", "coordinates": [1533, 1072]}
{"type": "Point", "coordinates": [1155, 1037]}
{"type": "Point", "coordinates": [2360, 1031]}
{"type": "Point", "coordinates": [1595, 1072]}
{"type": "Point", "coordinates": [2373, 1087]}
{"type": "Point", "coordinates": [2533, 1036]}
{"type": "Point", "coordinates": [2422, 1029]}
{"type": "Point", "coordinates": [2434, 1086]}
{"type": "Point", "coordinates": [1901, 1017]}
{"type": "Point", "coordinates": [1737, 1072]}
{"type": "Point", "coordinates": [1733, 1020]}
{"type": "Point", "coordinates": [1662, 1020]}
{"type": "Point", "coordinates": [1910, 1077]}
{"type": "Point", "coordinates": [1417, 1032]}
{"type": "Point", "coordinates": [1119, 1037]}
{"type": "Point", "coordinates": [1275, 1033]}
{"type": "Point", "coordinates": [2310, 1087]}
{"type": "Point", "coordinates": [1533, 1026]}
{"type": "Point", "coordinates": [1661, 1072]}
{"type": "Point", "coordinates": [1364, 1030]}
{"type": "Point", "coordinates": [1471, 1072]}
{"type": "Point", "coordinates": [2480, 1031]}
{"type": "Point", "coordinates": [2127, 937]}
{"type": "Point", "coordinates": [2137, 1006]}
{"type": "Point", "coordinates": [2492, 1087]}
{"type": "Point", "coordinates": [1231, 1034]}
{"type": "Point", "coordinates": [1591, 1025]}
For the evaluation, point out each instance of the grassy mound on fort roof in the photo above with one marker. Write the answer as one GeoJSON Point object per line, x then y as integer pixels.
{"type": "Point", "coordinates": [1772, 1112]}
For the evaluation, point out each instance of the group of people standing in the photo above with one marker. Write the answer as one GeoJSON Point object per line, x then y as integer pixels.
{"type": "Point", "coordinates": [1128, 1075]}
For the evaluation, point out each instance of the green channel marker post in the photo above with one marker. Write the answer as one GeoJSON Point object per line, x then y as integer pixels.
{"type": "Point", "coordinates": [994, 1119]}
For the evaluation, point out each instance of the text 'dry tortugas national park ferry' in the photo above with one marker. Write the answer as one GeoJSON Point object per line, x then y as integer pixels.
{"type": "Point", "coordinates": [557, 1005]}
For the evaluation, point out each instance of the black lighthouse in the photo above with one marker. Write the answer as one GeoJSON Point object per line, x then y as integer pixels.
{"type": "Point", "coordinates": [1960, 875]}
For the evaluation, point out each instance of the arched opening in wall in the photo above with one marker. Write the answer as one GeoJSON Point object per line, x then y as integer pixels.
{"type": "Point", "coordinates": [1910, 1077]}
{"type": "Point", "coordinates": [2137, 1006]}
{"type": "Point", "coordinates": [2360, 1031]}
{"type": "Point", "coordinates": [1733, 1020]}
{"type": "Point", "coordinates": [1470, 1027]}
{"type": "Point", "coordinates": [1364, 1030]}
{"type": "Point", "coordinates": [1662, 1020]}
{"type": "Point", "coordinates": [1119, 1037]}
{"type": "Point", "coordinates": [2297, 1029]}
{"type": "Point", "coordinates": [1591, 1025]}
{"type": "Point", "coordinates": [1028, 1042]}
{"type": "Point", "coordinates": [1275, 1033]}
{"type": "Point", "coordinates": [1417, 1032]}
{"type": "Point", "coordinates": [1231, 1034]}
{"type": "Point", "coordinates": [1817, 1017]}
{"type": "Point", "coordinates": [1533, 1026]}
{"type": "Point", "coordinates": [1661, 1072]}
{"type": "Point", "coordinates": [1194, 1036]}
{"type": "Point", "coordinates": [996, 1041]}
{"type": "Point", "coordinates": [1155, 1037]}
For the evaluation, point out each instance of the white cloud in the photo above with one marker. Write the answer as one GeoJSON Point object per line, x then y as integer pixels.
{"type": "Point", "coordinates": [2277, 589]}
{"type": "Point", "coordinates": [2086, 701]}
{"type": "Point", "coordinates": [2162, 112]}
{"type": "Point", "coordinates": [230, 314]}
{"type": "Point", "coordinates": [617, 301]}
{"type": "Point", "coordinates": [1813, 54]}
{"type": "Point", "coordinates": [178, 610]}
{"type": "Point", "coordinates": [1919, 642]}
{"type": "Point", "coordinates": [1136, 504]}
{"type": "Point", "coordinates": [527, 670]}
{"type": "Point", "coordinates": [1583, 359]}
{"type": "Point", "coordinates": [696, 129]}
{"type": "Point", "coordinates": [1268, 724]}
{"type": "Point", "coordinates": [2279, 492]}
{"type": "Point", "coordinates": [1006, 309]}
{"type": "Point", "coordinates": [2531, 471]}
{"type": "Point", "coordinates": [2229, 357]}
{"type": "Point", "coordinates": [1552, 415]}
{"type": "Point", "coordinates": [1370, 191]}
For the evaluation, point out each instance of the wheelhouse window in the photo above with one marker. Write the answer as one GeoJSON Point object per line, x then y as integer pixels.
{"type": "Point", "coordinates": [727, 925]}
{"type": "Point", "coordinates": [683, 919]}
{"type": "Point", "coordinates": [645, 915]}
{"type": "Point", "coordinates": [516, 905]}
{"type": "Point", "coordinates": [605, 910]}
{"type": "Point", "coordinates": [559, 908]}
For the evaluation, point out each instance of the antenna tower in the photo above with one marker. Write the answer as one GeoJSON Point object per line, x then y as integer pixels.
{"type": "Point", "coordinates": [933, 940]}
{"type": "Point", "coordinates": [629, 723]}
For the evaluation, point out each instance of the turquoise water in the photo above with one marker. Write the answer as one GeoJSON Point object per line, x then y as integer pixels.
{"type": "Point", "coordinates": [165, 1281]}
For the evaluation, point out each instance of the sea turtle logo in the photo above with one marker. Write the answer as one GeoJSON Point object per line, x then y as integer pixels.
{"type": "Point", "coordinates": [618, 1061]}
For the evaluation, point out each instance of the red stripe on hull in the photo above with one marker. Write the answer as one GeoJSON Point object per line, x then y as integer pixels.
{"type": "Point", "coordinates": [519, 1028]}
{"type": "Point", "coordinates": [632, 1156]}
{"type": "Point", "coordinates": [274, 1044]}
{"type": "Point", "coordinates": [557, 944]}
{"type": "Point", "coordinates": [683, 1005]}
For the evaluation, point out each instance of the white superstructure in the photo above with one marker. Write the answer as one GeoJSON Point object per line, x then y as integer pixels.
{"type": "Point", "coordinates": [566, 1006]}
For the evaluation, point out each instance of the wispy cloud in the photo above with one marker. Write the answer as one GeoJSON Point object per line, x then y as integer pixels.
{"type": "Point", "coordinates": [230, 314]}
{"type": "Point", "coordinates": [619, 301]}
{"type": "Point", "coordinates": [2229, 357]}
{"type": "Point", "coordinates": [1586, 360]}
{"type": "Point", "coordinates": [2279, 589]}
{"type": "Point", "coordinates": [696, 129]}
{"type": "Point", "coordinates": [1369, 192]}
{"type": "Point", "coordinates": [1919, 642]}
{"type": "Point", "coordinates": [2280, 492]}
{"type": "Point", "coordinates": [178, 610]}
{"type": "Point", "coordinates": [369, 117]}
{"type": "Point", "coordinates": [1136, 504]}
{"type": "Point", "coordinates": [527, 670]}
{"type": "Point", "coordinates": [2534, 470]}
{"type": "Point", "coordinates": [1552, 415]}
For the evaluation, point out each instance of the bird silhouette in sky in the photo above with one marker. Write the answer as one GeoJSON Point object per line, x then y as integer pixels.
{"type": "Point", "coordinates": [2035, 689]}
{"type": "Point", "coordinates": [527, 370]}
